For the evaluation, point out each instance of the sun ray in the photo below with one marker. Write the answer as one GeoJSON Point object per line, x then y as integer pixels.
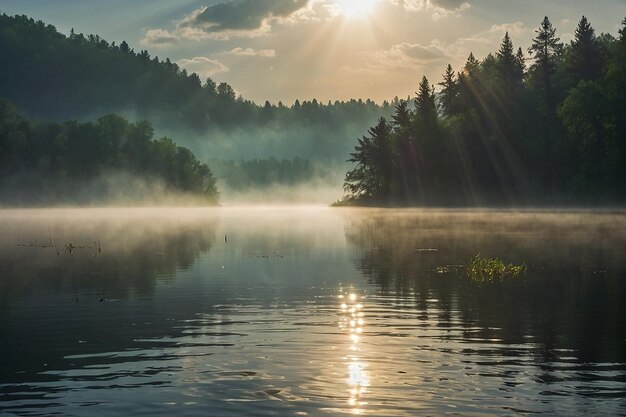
{"type": "Point", "coordinates": [355, 9]}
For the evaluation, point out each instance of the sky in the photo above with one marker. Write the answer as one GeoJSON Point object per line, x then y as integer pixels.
{"type": "Point", "coordinates": [283, 50]}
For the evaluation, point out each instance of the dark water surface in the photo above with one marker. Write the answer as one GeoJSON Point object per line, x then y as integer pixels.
{"type": "Point", "coordinates": [309, 311]}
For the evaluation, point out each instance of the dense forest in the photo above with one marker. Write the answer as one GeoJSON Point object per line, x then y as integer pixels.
{"type": "Point", "coordinates": [543, 127]}
{"type": "Point", "coordinates": [262, 173]}
{"type": "Point", "coordinates": [53, 76]}
{"type": "Point", "coordinates": [49, 162]}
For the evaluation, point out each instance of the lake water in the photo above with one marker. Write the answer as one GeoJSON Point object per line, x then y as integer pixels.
{"type": "Point", "coordinates": [310, 312]}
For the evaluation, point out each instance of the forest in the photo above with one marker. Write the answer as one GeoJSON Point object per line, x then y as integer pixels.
{"type": "Point", "coordinates": [49, 75]}
{"type": "Point", "coordinates": [545, 126]}
{"type": "Point", "coordinates": [259, 173]}
{"type": "Point", "coordinates": [52, 163]}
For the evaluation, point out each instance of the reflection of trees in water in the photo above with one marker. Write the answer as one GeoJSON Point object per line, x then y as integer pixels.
{"type": "Point", "coordinates": [54, 300]}
{"type": "Point", "coordinates": [134, 252]}
{"type": "Point", "coordinates": [573, 295]}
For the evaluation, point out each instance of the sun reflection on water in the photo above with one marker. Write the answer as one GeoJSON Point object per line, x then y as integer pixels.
{"type": "Point", "coordinates": [352, 322]}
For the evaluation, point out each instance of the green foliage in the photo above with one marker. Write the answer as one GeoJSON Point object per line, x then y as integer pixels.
{"type": "Point", "coordinates": [371, 179]}
{"type": "Point", "coordinates": [448, 96]}
{"type": "Point", "coordinates": [504, 136]}
{"type": "Point", "coordinates": [41, 160]}
{"type": "Point", "coordinates": [489, 270]}
{"type": "Point", "coordinates": [545, 50]}
{"type": "Point", "coordinates": [509, 65]}
{"type": "Point", "coordinates": [585, 58]}
{"type": "Point", "coordinates": [425, 106]}
{"type": "Point", "coordinates": [56, 77]}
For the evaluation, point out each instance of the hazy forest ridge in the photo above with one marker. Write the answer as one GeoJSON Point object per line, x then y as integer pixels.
{"type": "Point", "coordinates": [546, 126]}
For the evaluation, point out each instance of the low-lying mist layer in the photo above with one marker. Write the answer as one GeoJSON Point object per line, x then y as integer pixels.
{"type": "Point", "coordinates": [265, 181]}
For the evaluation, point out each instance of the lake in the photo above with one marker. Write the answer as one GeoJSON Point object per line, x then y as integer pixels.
{"type": "Point", "coordinates": [309, 311]}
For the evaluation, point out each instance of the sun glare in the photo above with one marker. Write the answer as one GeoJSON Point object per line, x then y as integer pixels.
{"type": "Point", "coordinates": [355, 9]}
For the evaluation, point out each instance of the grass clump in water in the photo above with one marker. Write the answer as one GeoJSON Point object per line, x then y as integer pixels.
{"type": "Point", "coordinates": [481, 270]}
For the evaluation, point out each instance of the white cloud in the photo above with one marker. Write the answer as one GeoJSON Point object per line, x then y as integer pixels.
{"type": "Point", "coordinates": [489, 41]}
{"type": "Point", "coordinates": [408, 60]}
{"type": "Point", "coordinates": [203, 66]}
{"type": "Point", "coordinates": [158, 38]}
{"type": "Point", "coordinates": [264, 53]}
{"type": "Point", "coordinates": [439, 9]}
{"type": "Point", "coordinates": [408, 55]}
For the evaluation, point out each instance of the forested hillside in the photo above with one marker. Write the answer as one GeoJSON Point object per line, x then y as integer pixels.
{"type": "Point", "coordinates": [53, 76]}
{"type": "Point", "coordinates": [543, 126]}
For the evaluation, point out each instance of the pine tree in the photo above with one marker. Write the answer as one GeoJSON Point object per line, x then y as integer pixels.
{"type": "Point", "coordinates": [508, 66]}
{"type": "Point", "coordinates": [449, 92]}
{"type": "Point", "coordinates": [372, 176]}
{"type": "Point", "coordinates": [402, 116]}
{"type": "Point", "coordinates": [585, 58]}
{"type": "Point", "coordinates": [520, 64]}
{"type": "Point", "coordinates": [472, 66]}
{"type": "Point", "coordinates": [425, 105]}
{"type": "Point", "coordinates": [545, 50]}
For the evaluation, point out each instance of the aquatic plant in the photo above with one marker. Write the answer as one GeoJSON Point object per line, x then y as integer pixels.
{"type": "Point", "coordinates": [481, 270]}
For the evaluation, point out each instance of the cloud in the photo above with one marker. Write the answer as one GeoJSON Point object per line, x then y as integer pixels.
{"type": "Point", "coordinates": [264, 53]}
{"type": "Point", "coordinates": [439, 9]}
{"type": "Point", "coordinates": [488, 41]}
{"type": "Point", "coordinates": [202, 66]}
{"type": "Point", "coordinates": [158, 38]}
{"type": "Point", "coordinates": [408, 55]}
{"type": "Point", "coordinates": [405, 59]}
{"type": "Point", "coordinates": [233, 18]}
{"type": "Point", "coordinates": [449, 4]}
{"type": "Point", "coordinates": [238, 18]}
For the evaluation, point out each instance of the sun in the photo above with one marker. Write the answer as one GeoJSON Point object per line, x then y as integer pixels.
{"type": "Point", "coordinates": [355, 9]}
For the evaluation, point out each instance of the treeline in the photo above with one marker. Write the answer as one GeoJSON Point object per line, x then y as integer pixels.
{"type": "Point", "coordinates": [547, 128]}
{"type": "Point", "coordinates": [52, 162]}
{"type": "Point", "coordinates": [262, 173]}
{"type": "Point", "coordinates": [50, 75]}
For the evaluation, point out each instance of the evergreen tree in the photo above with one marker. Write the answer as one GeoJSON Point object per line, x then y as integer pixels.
{"type": "Point", "coordinates": [449, 92]}
{"type": "Point", "coordinates": [509, 146]}
{"type": "Point", "coordinates": [425, 104]}
{"type": "Point", "coordinates": [545, 50]}
{"type": "Point", "coordinates": [520, 61]}
{"type": "Point", "coordinates": [616, 89]}
{"type": "Point", "coordinates": [509, 67]}
{"type": "Point", "coordinates": [402, 116]}
{"type": "Point", "coordinates": [472, 66]}
{"type": "Point", "coordinates": [372, 176]}
{"type": "Point", "coordinates": [585, 57]}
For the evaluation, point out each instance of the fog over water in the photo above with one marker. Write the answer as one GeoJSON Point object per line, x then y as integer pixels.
{"type": "Point", "coordinates": [308, 310]}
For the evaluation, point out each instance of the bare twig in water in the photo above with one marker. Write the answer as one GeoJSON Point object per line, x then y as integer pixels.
{"type": "Point", "coordinates": [69, 247]}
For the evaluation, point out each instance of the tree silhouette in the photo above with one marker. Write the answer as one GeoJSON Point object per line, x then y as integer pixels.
{"type": "Point", "coordinates": [448, 95]}
{"type": "Point", "coordinates": [584, 61]}
{"type": "Point", "coordinates": [371, 178]}
{"type": "Point", "coordinates": [545, 51]}
{"type": "Point", "coordinates": [500, 139]}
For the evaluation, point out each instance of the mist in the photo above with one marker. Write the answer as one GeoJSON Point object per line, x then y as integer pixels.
{"type": "Point", "coordinates": [313, 192]}
{"type": "Point", "coordinates": [109, 188]}
{"type": "Point", "coordinates": [325, 149]}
